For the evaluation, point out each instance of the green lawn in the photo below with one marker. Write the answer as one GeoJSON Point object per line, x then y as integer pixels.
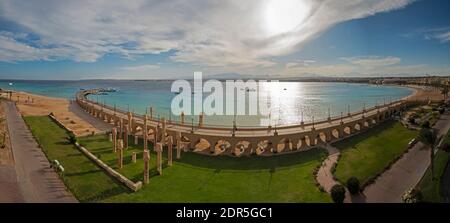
{"type": "Point", "coordinates": [367, 154]}
{"type": "Point", "coordinates": [194, 178]}
{"type": "Point", "coordinates": [431, 190]}
{"type": "Point", "coordinates": [86, 181]}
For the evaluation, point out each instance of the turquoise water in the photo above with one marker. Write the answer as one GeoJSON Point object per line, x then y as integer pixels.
{"type": "Point", "coordinates": [289, 100]}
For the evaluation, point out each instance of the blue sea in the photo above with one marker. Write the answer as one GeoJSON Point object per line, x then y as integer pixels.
{"type": "Point", "coordinates": [294, 100]}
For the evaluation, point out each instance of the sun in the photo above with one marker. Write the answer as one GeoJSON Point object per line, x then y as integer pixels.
{"type": "Point", "coordinates": [284, 16]}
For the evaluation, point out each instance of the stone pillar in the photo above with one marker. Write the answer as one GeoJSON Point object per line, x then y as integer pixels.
{"type": "Point", "coordinates": [133, 157]}
{"type": "Point", "coordinates": [163, 132]}
{"type": "Point", "coordinates": [130, 122]}
{"type": "Point", "coordinates": [303, 143]}
{"type": "Point", "coordinates": [182, 118]}
{"type": "Point", "coordinates": [155, 137]}
{"type": "Point", "coordinates": [120, 155]}
{"type": "Point", "coordinates": [121, 127]}
{"type": "Point", "coordinates": [114, 139]}
{"type": "Point", "coordinates": [110, 137]}
{"type": "Point", "coordinates": [170, 151]}
{"type": "Point", "coordinates": [159, 150]}
{"type": "Point", "coordinates": [200, 120]}
{"type": "Point", "coordinates": [312, 139]}
{"type": "Point", "coordinates": [329, 136]}
{"type": "Point", "coordinates": [125, 137]}
{"type": "Point", "coordinates": [136, 140]}
{"type": "Point", "coordinates": [146, 166]}
{"type": "Point", "coordinates": [151, 113]}
{"type": "Point", "coordinates": [178, 145]}
{"type": "Point", "coordinates": [145, 133]}
{"type": "Point", "coordinates": [287, 145]}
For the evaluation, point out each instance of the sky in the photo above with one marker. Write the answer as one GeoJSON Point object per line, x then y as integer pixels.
{"type": "Point", "coordinates": [170, 39]}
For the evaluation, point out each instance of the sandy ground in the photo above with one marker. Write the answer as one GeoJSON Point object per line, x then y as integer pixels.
{"type": "Point", "coordinates": [67, 112]}
{"type": "Point", "coordinates": [424, 93]}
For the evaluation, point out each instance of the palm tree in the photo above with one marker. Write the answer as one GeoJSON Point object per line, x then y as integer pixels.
{"type": "Point", "coordinates": [428, 137]}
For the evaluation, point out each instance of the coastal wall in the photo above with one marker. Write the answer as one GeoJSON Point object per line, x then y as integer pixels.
{"type": "Point", "coordinates": [264, 141]}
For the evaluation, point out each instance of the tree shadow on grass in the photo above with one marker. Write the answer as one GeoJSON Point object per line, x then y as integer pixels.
{"type": "Point", "coordinates": [252, 162]}
{"type": "Point", "coordinates": [105, 194]}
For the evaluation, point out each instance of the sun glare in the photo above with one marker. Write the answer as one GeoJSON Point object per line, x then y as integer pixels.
{"type": "Point", "coordinates": [284, 16]}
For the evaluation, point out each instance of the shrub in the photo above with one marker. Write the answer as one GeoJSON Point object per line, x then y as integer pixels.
{"type": "Point", "coordinates": [338, 193]}
{"type": "Point", "coordinates": [412, 196]}
{"type": "Point", "coordinates": [72, 138]}
{"type": "Point", "coordinates": [353, 185]}
{"type": "Point", "coordinates": [425, 124]}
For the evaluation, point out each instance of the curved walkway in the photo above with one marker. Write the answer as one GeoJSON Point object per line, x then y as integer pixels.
{"type": "Point", "coordinates": [31, 179]}
{"type": "Point", "coordinates": [324, 176]}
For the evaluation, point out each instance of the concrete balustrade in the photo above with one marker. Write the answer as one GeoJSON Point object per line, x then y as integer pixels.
{"type": "Point", "coordinates": [261, 140]}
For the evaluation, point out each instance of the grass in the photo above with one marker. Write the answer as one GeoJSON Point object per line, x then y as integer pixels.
{"type": "Point", "coordinates": [194, 178]}
{"type": "Point", "coordinates": [86, 181]}
{"type": "Point", "coordinates": [369, 153]}
{"type": "Point", "coordinates": [431, 189]}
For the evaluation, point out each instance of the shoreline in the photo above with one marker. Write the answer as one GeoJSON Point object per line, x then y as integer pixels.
{"type": "Point", "coordinates": [65, 110]}
{"type": "Point", "coordinates": [81, 123]}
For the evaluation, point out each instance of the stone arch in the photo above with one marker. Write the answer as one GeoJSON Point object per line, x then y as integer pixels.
{"type": "Point", "coordinates": [283, 145]}
{"type": "Point", "coordinates": [242, 147]}
{"type": "Point", "coordinates": [201, 145]}
{"type": "Point", "coordinates": [221, 146]}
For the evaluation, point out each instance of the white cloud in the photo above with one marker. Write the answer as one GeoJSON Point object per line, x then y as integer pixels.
{"type": "Point", "coordinates": [141, 68]}
{"type": "Point", "coordinates": [367, 66]}
{"type": "Point", "coordinates": [211, 33]}
{"type": "Point", "coordinates": [373, 61]}
{"type": "Point", "coordinates": [299, 63]}
{"type": "Point", "coordinates": [442, 34]}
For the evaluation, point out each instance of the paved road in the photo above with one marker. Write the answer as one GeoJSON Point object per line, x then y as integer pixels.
{"type": "Point", "coordinates": [31, 179]}
{"type": "Point", "coordinates": [406, 172]}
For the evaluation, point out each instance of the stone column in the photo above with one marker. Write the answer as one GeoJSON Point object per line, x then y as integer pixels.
{"type": "Point", "coordinates": [200, 120]}
{"type": "Point", "coordinates": [121, 127]}
{"type": "Point", "coordinates": [178, 145]}
{"type": "Point", "coordinates": [303, 145]}
{"type": "Point", "coordinates": [287, 145]}
{"type": "Point", "coordinates": [155, 137]}
{"type": "Point", "coordinates": [130, 122]}
{"type": "Point", "coordinates": [329, 135]}
{"type": "Point", "coordinates": [159, 150]}
{"type": "Point", "coordinates": [136, 140]}
{"type": "Point", "coordinates": [110, 137]}
{"type": "Point", "coordinates": [182, 118]}
{"type": "Point", "coordinates": [133, 157]}
{"type": "Point", "coordinates": [163, 132]}
{"type": "Point", "coordinates": [114, 136]}
{"type": "Point", "coordinates": [145, 133]}
{"type": "Point", "coordinates": [170, 151]}
{"type": "Point", "coordinates": [151, 113]}
{"type": "Point", "coordinates": [120, 155]}
{"type": "Point", "coordinates": [146, 165]}
{"type": "Point", "coordinates": [312, 139]}
{"type": "Point", "coordinates": [125, 137]}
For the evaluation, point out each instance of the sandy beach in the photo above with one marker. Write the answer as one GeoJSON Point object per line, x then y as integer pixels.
{"type": "Point", "coordinates": [67, 112]}
{"type": "Point", "coordinates": [424, 93]}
